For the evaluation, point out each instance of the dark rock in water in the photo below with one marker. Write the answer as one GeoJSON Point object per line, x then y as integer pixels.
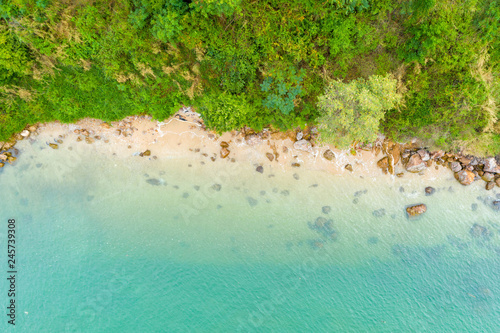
{"type": "Point", "coordinates": [355, 201]}
{"type": "Point", "coordinates": [216, 187]}
{"type": "Point", "coordinates": [359, 193]}
{"type": "Point", "coordinates": [262, 192]}
{"type": "Point", "coordinates": [314, 185]}
{"type": "Point", "coordinates": [219, 207]}
{"type": "Point", "coordinates": [401, 189]}
{"type": "Point", "coordinates": [260, 169]}
{"type": "Point", "coordinates": [429, 190]}
{"type": "Point", "coordinates": [326, 209]}
{"type": "Point", "coordinates": [496, 205]}
{"type": "Point", "coordinates": [457, 242]}
{"type": "Point", "coordinates": [285, 193]}
{"type": "Point", "coordinates": [270, 156]}
{"type": "Point", "coordinates": [296, 176]}
{"type": "Point", "coordinates": [399, 250]}
{"type": "Point", "coordinates": [324, 227]}
{"type": "Point", "coordinates": [473, 207]}
{"type": "Point", "coordinates": [433, 252]}
{"type": "Point", "coordinates": [155, 181]}
{"type": "Point", "coordinates": [196, 188]}
{"type": "Point", "coordinates": [176, 187]}
{"type": "Point", "coordinates": [349, 167]}
{"type": "Point", "coordinates": [90, 197]}
{"type": "Point", "coordinates": [479, 231]}
{"type": "Point", "coordinates": [275, 190]}
{"type": "Point", "coordinates": [372, 240]}
{"type": "Point", "coordinates": [252, 202]}
{"type": "Point", "coordinates": [379, 212]}
{"type": "Point", "coordinates": [320, 222]}
{"type": "Point", "coordinates": [39, 165]}
{"type": "Point", "coordinates": [185, 195]}
{"type": "Point", "coordinates": [316, 243]}
{"type": "Point", "coordinates": [416, 210]}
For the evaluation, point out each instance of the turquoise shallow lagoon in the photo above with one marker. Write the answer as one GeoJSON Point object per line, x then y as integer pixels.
{"type": "Point", "coordinates": [107, 244]}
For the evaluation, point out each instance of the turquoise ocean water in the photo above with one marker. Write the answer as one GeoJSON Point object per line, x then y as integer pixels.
{"type": "Point", "coordinates": [108, 244]}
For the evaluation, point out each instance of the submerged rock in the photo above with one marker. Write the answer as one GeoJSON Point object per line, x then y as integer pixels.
{"type": "Point", "coordinates": [348, 167]}
{"type": "Point", "coordinates": [224, 144]}
{"type": "Point", "coordinates": [416, 210]}
{"type": "Point", "coordinates": [260, 169]}
{"type": "Point", "coordinates": [479, 231]}
{"type": "Point", "coordinates": [270, 156]}
{"type": "Point", "coordinates": [54, 145]}
{"type": "Point", "coordinates": [379, 212]}
{"type": "Point", "coordinates": [252, 202]}
{"type": "Point", "coordinates": [429, 190]}
{"type": "Point", "coordinates": [155, 181]}
{"type": "Point", "coordinates": [326, 209]}
{"type": "Point", "coordinates": [216, 187]}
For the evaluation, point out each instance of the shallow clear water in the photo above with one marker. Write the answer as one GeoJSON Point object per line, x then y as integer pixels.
{"type": "Point", "coordinates": [140, 245]}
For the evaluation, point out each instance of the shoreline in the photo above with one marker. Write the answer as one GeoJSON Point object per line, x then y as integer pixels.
{"type": "Point", "coordinates": [184, 134]}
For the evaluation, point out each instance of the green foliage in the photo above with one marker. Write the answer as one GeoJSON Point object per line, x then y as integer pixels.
{"type": "Point", "coordinates": [352, 111]}
{"type": "Point", "coordinates": [282, 88]}
{"type": "Point", "coordinates": [225, 112]}
{"type": "Point", "coordinates": [14, 57]}
{"type": "Point", "coordinates": [107, 59]}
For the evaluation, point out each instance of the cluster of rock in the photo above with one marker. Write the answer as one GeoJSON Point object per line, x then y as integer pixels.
{"type": "Point", "coordinates": [7, 150]}
{"type": "Point", "coordinates": [467, 169]}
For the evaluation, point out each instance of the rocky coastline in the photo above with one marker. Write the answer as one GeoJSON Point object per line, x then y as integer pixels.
{"type": "Point", "coordinates": [397, 158]}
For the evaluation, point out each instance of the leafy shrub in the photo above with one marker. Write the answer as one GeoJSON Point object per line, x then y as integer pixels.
{"type": "Point", "coordinates": [282, 88]}
{"type": "Point", "coordinates": [352, 111]}
{"type": "Point", "coordinates": [225, 112]}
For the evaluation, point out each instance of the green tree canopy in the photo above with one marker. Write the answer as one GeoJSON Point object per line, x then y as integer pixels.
{"type": "Point", "coordinates": [352, 111]}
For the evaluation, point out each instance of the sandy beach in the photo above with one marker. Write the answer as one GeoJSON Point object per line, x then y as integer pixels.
{"type": "Point", "coordinates": [184, 135]}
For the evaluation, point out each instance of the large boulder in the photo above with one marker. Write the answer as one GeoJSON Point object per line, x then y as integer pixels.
{"type": "Point", "coordinates": [424, 154]}
{"type": "Point", "coordinates": [396, 153]}
{"type": "Point", "coordinates": [490, 165]}
{"type": "Point", "coordinates": [416, 210]}
{"type": "Point", "coordinates": [303, 145]}
{"type": "Point", "coordinates": [488, 176]}
{"type": "Point", "coordinates": [415, 164]}
{"type": "Point", "coordinates": [465, 177]}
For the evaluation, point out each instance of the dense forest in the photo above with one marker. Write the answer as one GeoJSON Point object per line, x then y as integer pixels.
{"type": "Point", "coordinates": [354, 68]}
